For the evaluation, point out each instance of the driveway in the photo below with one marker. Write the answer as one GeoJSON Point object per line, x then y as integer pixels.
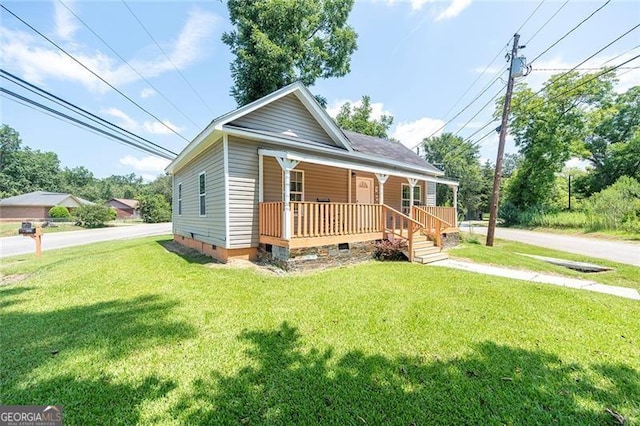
{"type": "Point", "coordinates": [11, 246]}
{"type": "Point", "coordinates": [617, 251]}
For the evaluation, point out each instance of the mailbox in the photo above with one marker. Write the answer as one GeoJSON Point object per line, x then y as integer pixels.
{"type": "Point", "coordinates": [26, 229]}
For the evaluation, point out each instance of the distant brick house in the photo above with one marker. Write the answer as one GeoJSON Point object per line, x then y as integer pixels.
{"type": "Point", "coordinates": [126, 209]}
{"type": "Point", "coordinates": [36, 205]}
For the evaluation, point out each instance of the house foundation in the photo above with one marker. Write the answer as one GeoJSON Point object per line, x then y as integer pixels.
{"type": "Point", "coordinates": [219, 253]}
{"type": "Point", "coordinates": [318, 257]}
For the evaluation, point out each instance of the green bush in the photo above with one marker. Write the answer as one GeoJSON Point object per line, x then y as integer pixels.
{"type": "Point", "coordinates": [113, 213]}
{"type": "Point", "coordinates": [154, 209]}
{"type": "Point", "coordinates": [59, 212]}
{"type": "Point", "coordinates": [92, 215]}
{"type": "Point", "coordinates": [616, 207]}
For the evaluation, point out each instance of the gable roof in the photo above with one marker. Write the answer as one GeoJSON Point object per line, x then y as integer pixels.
{"type": "Point", "coordinates": [349, 144]}
{"type": "Point", "coordinates": [133, 204]}
{"type": "Point", "coordinates": [385, 148]}
{"type": "Point", "coordinates": [199, 143]}
{"type": "Point", "coordinates": [44, 198]}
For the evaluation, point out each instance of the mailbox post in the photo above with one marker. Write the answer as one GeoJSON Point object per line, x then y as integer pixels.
{"type": "Point", "coordinates": [27, 230]}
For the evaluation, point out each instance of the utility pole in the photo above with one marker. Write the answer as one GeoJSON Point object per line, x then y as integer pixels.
{"type": "Point", "coordinates": [493, 214]}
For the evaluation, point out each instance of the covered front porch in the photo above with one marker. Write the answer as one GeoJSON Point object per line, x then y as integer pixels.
{"type": "Point", "coordinates": [308, 201]}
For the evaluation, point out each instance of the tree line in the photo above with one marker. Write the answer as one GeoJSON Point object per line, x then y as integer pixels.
{"type": "Point", "coordinates": [24, 170]}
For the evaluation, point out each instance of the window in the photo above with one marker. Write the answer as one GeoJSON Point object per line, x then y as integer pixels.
{"type": "Point", "coordinates": [406, 197]}
{"type": "Point", "coordinates": [297, 185]}
{"type": "Point", "coordinates": [202, 190]}
{"type": "Point", "coordinates": [180, 198]}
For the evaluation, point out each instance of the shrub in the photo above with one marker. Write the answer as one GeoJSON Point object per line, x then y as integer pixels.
{"type": "Point", "coordinates": [154, 209]}
{"type": "Point", "coordinates": [113, 213]}
{"type": "Point", "coordinates": [390, 250]}
{"type": "Point", "coordinates": [92, 215]}
{"type": "Point", "coordinates": [616, 207]}
{"type": "Point", "coordinates": [59, 212]}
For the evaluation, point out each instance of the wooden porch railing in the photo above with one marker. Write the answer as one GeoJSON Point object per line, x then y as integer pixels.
{"type": "Point", "coordinates": [433, 225]}
{"type": "Point", "coordinates": [445, 214]}
{"type": "Point", "coordinates": [270, 219]}
{"type": "Point", "coordinates": [310, 219]}
{"type": "Point", "coordinates": [399, 225]}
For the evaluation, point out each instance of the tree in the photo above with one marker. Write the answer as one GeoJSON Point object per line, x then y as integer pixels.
{"type": "Point", "coordinates": [25, 170]}
{"type": "Point", "coordinates": [162, 185]}
{"type": "Point", "coordinates": [548, 128]}
{"type": "Point", "coordinates": [277, 42]}
{"type": "Point", "coordinates": [358, 119]}
{"type": "Point", "coordinates": [613, 144]}
{"type": "Point", "coordinates": [154, 208]}
{"type": "Point", "coordinates": [460, 161]}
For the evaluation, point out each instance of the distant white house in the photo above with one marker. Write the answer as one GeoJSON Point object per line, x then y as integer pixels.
{"type": "Point", "coordinates": [36, 205]}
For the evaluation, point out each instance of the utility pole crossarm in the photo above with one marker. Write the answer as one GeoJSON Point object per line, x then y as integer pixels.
{"type": "Point", "coordinates": [493, 214]}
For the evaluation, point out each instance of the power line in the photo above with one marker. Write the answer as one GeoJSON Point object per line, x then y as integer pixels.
{"type": "Point", "coordinates": [581, 63]}
{"type": "Point", "coordinates": [168, 57]}
{"type": "Point", "coordinates": [461, 111]}
{"type": "Point", "coordinates": [570, 31]}
{"type": "Point", "coordinates": [583, 69]}
{"type": "Point", "coordinates": [622, 54]}
{"type": "Point", "coordinates": [547, 22]}
{"type": "Point", "coordinates": [82, 123]}
{"type": "Point", "coordinates": [92, 72]}
{"type": "Point", "coordinates": [478, 77]}
{"type": "Point", "coordinates": [530, 16]}
{"type": "Point", "coordinates": [127, 63]}
{"type": "Point", "coordinates": [481, 109]}
{"type": "Point", "coordinates": [72, 107]}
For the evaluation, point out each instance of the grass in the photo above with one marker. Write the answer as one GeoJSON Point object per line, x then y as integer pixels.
{"type": "Point", "coordinates": [10, 229]}
{"type": "Point", "coordinates": [127, 332]}
{"type": "Point", "coordinates": [509, 254]}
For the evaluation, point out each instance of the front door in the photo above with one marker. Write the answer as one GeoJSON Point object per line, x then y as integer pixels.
{"type": "Point", "coordinates": [364, 190]}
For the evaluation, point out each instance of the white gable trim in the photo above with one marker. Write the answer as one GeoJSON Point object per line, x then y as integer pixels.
{"type": "Point", "coordinates": [297, 88]}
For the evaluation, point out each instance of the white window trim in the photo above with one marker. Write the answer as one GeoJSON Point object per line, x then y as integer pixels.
{"type": "Point", "coordinates": [303, 184]}
{"type": "Point", "coordinates": [200, 195]}
{"type": "Point", "coordinates": [179, 191]}
{"type": "Point", "coordinates": [402, 199]}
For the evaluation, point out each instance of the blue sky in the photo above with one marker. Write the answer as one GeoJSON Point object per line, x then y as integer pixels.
{"type": "Point", "coordinates": [415, 59]}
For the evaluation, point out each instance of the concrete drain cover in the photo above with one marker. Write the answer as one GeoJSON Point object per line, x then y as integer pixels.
{"type": "Point", "coordinates": [577, 266]}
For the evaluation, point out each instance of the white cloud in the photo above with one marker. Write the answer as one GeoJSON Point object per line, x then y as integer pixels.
{"type": "Point", "coordinates": [38, 61]}
{"type": "Point", "coordinates": [147, 92]}
{"type": "Point", "coordinates": [411, 133]}
{"type": "Point", "coordinates": [157, 128]}
{"type": "Point", "coordinates": [417, 4]}
{"type": "Point", "coordinates": [454, 9]}
{"type": "Point", "coordinates": [66, 23]}
{"type": "Point", "coordinates": [377, 108]}
{"type": "Point", "coordinates": [152, 127]}
{"type": "Point", "coordinates": [149, 164]}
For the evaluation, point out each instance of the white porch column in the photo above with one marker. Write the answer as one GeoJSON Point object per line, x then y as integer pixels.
{"type": "Point", "coordinates": [287, 166]}
{"type": "Point", "coordinates": [455, 202]}
{"type": "Point", "coordinates": [260, 178]}
{"type": "Point", "coordinates": [412, 184]}
{"type": "Point", "coordinates": [381, 180]}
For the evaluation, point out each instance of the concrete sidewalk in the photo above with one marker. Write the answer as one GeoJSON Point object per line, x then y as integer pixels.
{"type": "Point", "coordinates": [516, 274]}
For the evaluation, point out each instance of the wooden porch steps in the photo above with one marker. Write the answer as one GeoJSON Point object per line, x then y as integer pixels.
{"type": "Point", "coordinates": [424, 251]}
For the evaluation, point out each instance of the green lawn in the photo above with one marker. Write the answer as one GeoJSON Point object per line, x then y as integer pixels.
{"type": "Point", "coordinates": [127, 332]}
{"type": "Point", "coordinates": [509, 254]}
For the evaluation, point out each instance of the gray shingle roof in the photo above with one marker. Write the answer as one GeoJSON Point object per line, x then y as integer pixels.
{"type": "Point", "coordinates": [44, 198]}
{"type": "Point", "coordinates": [387, 149]}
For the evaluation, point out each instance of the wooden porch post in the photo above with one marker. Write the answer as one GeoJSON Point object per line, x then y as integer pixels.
{"type": "Point", "coordinates": [260, 178]}
{"type": "Point", "coordinates": [412, 184]}
{"type": "Point", "coordinates": [381, 180]}
{"type": "Point", "coordinates": [287, 166]}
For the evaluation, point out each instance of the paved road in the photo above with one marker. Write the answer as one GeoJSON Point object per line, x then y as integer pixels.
{"type": "Point", "coordinates": [617, 251]}
{"type": "Point", "coordinates": [11, 246]}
